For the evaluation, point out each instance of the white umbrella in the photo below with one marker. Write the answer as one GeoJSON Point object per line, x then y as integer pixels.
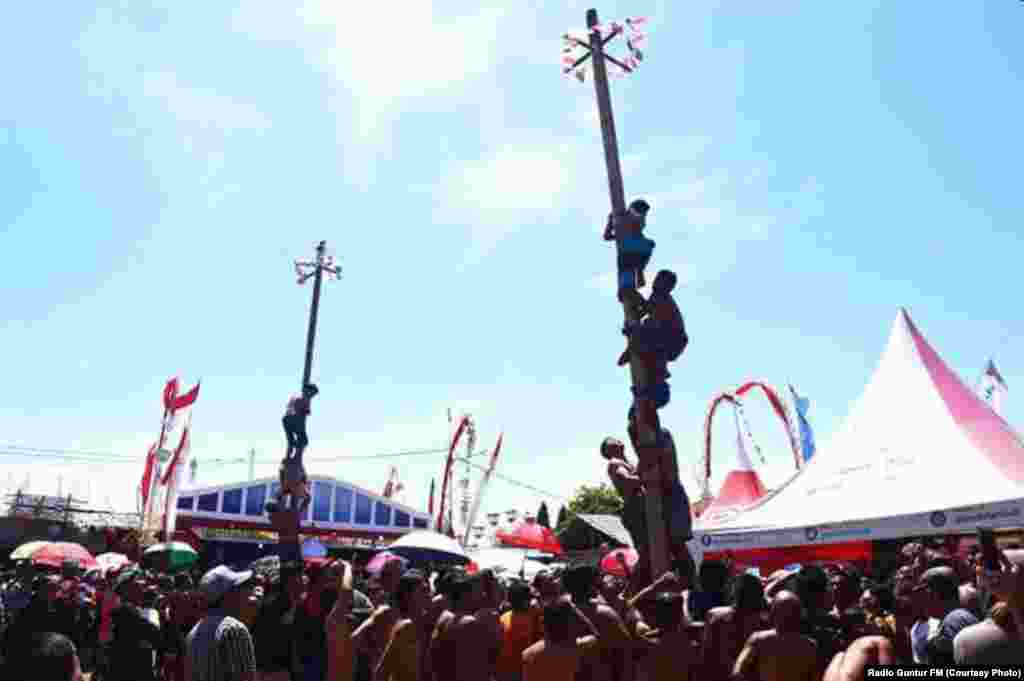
{"type": "Point", "coordinates": [508, 560]}
{"type": "Point", "coordinates": [427, 546]}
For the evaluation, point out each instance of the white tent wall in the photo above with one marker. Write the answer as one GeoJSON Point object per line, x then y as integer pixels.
{"type": "Point", "coordinates": [902, 464]}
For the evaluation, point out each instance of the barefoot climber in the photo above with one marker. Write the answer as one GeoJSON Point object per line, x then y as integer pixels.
{"type": "Point", "coordinates": [292, 474]}
{"type": "Point", "coordinates": [634, 250]}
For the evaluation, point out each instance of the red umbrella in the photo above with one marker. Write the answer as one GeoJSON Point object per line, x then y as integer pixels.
{"type": "Point", "coordinates": [612, 563]}
{"type": "Point", "coordinates": [530, 534]}
{"type": "Point", "coordinates": [56, 553]}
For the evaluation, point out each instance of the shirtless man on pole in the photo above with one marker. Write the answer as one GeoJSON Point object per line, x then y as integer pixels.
{"type": "Point", "coordinates": [629, 486]}
{"type": "Point", "coordinates": [782, 653]}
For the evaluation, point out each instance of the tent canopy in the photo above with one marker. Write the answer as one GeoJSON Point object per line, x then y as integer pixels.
{"type": "Point", "coordinates": [919, 453]}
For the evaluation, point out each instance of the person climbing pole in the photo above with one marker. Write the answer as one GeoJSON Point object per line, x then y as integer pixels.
{"type": "Point", "coordinates": [292, 474]}
{"type": "Point", "coordinates": [660, 333]}
{"type": "Point", "coordinates": [660, 463]}
{"type": "Point", "coordinates": [634, 252]}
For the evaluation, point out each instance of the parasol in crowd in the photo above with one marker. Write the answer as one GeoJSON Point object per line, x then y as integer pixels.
{"type": "Point", "coordinates": [530, 534]}
{"type": "Point", "coordinates": [612, 563]}
{"type": "Point", "coordinates": [111, 562]}
{"type": "Point", "coordinates": [170, 556]}
{"type": "Point", "coordinates": [55, 554]}
{"type": "Point", "coordinates": [25, 551]}
{"type": "Point", "coordinates": [429, 547]}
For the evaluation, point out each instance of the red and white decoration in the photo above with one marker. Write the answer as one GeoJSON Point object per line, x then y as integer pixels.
{"type": "Point", "coordinates": [165, 467]}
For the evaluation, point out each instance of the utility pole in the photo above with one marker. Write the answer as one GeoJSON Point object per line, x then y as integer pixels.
{"type": "Point", "coordinates": [252, 465]}
{"type": "Point", "coordinates": [315, 269]}
{"type": "Point", "coordinates": [645, 414]}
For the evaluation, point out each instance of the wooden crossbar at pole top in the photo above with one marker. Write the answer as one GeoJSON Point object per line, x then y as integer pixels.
{"type": "Point", "coordinates": [657, 539]}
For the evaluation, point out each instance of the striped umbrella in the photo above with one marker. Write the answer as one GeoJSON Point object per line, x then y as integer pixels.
{"type": "Point", "coordinates": [25, 551]}
{"type": "Point", "coordinates": [170, 556]}
{"type": "Point", "coordinates": [55, 554]}
{"type": "Point", "coordinates": [111, 562]}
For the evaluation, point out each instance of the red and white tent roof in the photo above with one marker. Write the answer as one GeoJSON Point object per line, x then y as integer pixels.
{"type": "Point", "coordinates": [919, 453]}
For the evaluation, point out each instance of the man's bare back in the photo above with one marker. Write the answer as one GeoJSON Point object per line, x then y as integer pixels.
{"type": "Point", "coordinates": [612, 660]}
{"type": "Point", "coordinates": [725, 632]}
{"type": "Point", "coordinates": [462, 649]}
{"type": "Point", "coordinates": [669, 657]}
{"type": "Point", "coordinates": [782, 653]}
{"type": "Point", "coordinates": [773, 656]}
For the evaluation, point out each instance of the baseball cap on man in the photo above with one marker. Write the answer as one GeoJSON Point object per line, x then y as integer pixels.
{"type": "Point", "coordinates": [221, 580]}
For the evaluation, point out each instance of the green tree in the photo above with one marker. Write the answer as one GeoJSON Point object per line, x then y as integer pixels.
{"type": "Point", "coordinates": [543, 517]}
{"type": "Point", "coordinates": [600, 500]}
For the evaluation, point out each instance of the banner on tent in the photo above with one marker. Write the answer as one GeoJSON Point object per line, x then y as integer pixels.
{"type": "Point", "coordinates": [1004, 514]}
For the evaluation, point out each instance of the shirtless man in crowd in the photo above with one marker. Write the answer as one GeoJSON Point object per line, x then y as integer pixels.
{"type": "Point", "coordinates": [782, 653]}
{"type": "Point", "coordinates": [613, 660]}
{"type": "Point", "coordinates": [726, 629]}
{"type": "Point", "coordinates": [558, 657]}
{"type": "Point", "coordinates": [373, 635]}
{"type": "Point", "coordinates": [668, 653]}
{"type": "Point", "coordinates": [851, 664]}
{"type": "Point", "coordinates": [464, 647]}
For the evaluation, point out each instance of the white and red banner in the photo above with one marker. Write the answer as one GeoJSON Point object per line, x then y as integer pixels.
{"type": "Point", "coordinates": [164, 465]}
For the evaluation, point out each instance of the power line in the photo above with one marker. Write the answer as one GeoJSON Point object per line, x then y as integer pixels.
{"type": "Point", "coordinates": [39, 453]}
{"type": "Point", "coordinates": [524, 485]}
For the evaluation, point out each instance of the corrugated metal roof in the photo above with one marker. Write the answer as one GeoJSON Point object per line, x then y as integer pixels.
{"type": "Point", "coordinates": [609, 525]}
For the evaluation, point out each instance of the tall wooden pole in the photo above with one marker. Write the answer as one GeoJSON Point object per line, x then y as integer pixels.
{"type": "Point", "coordinates": [657, 539]}
{"type": "Point", "coordinates": [314, 311]}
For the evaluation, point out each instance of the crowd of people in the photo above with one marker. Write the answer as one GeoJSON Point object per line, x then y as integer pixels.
{"type": "Point", "coordinates": [332, 621]}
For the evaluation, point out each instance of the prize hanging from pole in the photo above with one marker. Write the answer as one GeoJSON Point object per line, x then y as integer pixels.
{"type": "Point", "coordinates": [576, 49]}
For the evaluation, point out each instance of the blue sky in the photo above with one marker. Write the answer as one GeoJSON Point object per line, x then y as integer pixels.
{"type": "Point", "coordinates": [811, 167]}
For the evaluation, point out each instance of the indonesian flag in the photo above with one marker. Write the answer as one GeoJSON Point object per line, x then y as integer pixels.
{"type": "Point", "coordinates": [147, 476]}
{"type": "Point", "coordinates": [992, 387]}
{"type": "Point", "coordinates": [163, 463]}
{"type": "Point", "coordinates": [172, 481]}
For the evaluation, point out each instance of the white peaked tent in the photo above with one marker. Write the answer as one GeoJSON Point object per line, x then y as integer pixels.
{"type": "Point", "coordinates": [919, 453]}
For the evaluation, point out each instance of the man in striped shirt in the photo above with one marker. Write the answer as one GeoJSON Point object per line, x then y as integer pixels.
{"type": "Point", "coordinates": [219, 647]}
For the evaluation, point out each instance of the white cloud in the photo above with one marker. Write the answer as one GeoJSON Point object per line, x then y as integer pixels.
{"type": "Point", "coordinates": [202, 109]}
{"type": "Point", "coordinates": [496, 195]}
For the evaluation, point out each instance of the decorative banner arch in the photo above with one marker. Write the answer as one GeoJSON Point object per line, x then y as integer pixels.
{"type": "Point", "coordinates": [732, 398]}
{"type": "Point", "coordinates": [780, 410]}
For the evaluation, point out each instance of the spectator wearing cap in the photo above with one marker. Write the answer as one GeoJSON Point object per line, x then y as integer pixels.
{"type": "Point", "coordinates": [941, 590]}
{"type": "Point", "coordinates": [136, 640]}
{"type": "Point", "coordinates": [219, 647]}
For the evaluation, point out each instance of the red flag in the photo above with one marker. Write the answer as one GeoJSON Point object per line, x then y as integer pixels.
{"type": "Point", "coordinates": [463, 422]}
{"type": "Point", "coordinates": [170, 392]}
{"type": "Point", "coordinates": [171, 480]}
{"type": "Point", "coordinates": [173, 401]}
{"type": "Point", "coordinates": [430, 500]}
{"type": "Point", "coordinates": [147, 474]}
